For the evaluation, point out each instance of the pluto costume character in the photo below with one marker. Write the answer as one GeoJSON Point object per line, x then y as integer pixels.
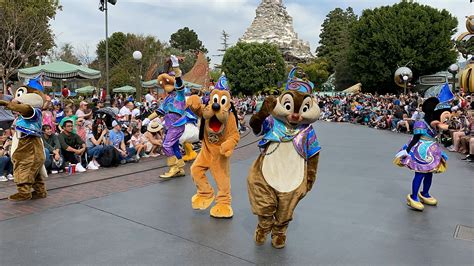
{"type": "Point", "coordinates": [286, 168]}
{"type": "Point", "coordinates": [423, 154]}
{"type": "Point", "coordinates": [219, 136]}
{"type": "Point", "coordinates": [27, 147]}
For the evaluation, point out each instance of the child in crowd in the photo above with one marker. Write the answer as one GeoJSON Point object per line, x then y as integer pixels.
{"type": "Point", "coordinates": [69, 115]}
{"type": "Point", "coordinates": [137, 142]}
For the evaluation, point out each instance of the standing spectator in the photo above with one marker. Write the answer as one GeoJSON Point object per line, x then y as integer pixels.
{"type": "Point", "coordinates": [6, 116]}
{"type": "Point", "coordinates": [6, 166]}
{"type": "Point", "coordinates": [113, 106]}
{"type": "Point", "coordinates": [65, 91]}
{"type": "Point", "coordinates": [116, 138]}
{"type": "Point", "coordinates": [149, 98]}
{"type": "Point", "coordinates": [48, 116]}
{"type": "Point", "coordinates": [52, 149]}
{"type": "Point", "coordinates": [72, 146]}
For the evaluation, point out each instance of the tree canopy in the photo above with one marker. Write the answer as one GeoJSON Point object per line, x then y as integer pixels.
{"type": "Point", "coordinates": [186, 39]}
{"type": "Point", "coordinates": [25, 33]}
{"type": "Point", "coordinates": [334, 37]}
{"type": "Point", "coordinates": [405, 33]}
{"type": "Point", "coordinates": [316, 71]}
{"type": "Point", "coordinates": [251, 67]}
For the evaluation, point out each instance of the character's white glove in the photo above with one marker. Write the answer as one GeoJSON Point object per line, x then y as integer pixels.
{"type": "Point", "coordinates": [146, 121]}
{"type": "Point", "coordinates": [174, 61]}
{"type": "Point", "coordinates": [402, 153]}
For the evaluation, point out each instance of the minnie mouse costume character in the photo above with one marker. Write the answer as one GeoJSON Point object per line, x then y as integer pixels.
{"type": "Point", "coordinates": [423, 154]}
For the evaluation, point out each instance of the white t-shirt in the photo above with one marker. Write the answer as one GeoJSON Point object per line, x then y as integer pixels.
{"type": "Point", "coordinates": [124, 111]}
{"type": "Point", "coordinates": [149, 98]}
{"type": "Point", "coordinates": [135, 112]}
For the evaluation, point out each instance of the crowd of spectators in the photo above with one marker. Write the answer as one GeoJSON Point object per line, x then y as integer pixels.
{"type": "Point", "coordinates": [399, 113]}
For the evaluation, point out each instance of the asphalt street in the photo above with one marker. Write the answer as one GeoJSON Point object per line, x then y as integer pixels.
{"type": "Point", "coordinates": [355, 214]}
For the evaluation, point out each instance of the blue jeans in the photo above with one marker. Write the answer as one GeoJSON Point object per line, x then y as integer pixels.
{"type": "Point", "coordinates": [96, 151]}
{"type": "Point", "coordinates": [6, 166]}
{"type": "Point", "coordinates": [395, 122]}
{"type": "Point", "coordinates": [48, 161]}
{"type": "Point", "coordinates": [130, 151]}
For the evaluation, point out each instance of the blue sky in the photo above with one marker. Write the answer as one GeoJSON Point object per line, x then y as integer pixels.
{"type": "Point", "coordinates": [82, 24]}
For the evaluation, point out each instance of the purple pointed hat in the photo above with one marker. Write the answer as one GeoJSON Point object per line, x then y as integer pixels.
{"type": "Point", "coordinates": [297, 84]}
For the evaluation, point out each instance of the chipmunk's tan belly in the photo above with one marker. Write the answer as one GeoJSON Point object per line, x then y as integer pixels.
{"type": "Point", "coordinates": [283, 169]}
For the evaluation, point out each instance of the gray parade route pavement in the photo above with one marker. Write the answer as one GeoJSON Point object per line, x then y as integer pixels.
{"type": "Point", "coordinates": [355, 214]}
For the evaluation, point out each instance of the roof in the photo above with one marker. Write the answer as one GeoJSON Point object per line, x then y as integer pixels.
{"type": "Point", "coordinates": [199, 74]}
{"type": "Point", "coordinates": [86, 90]}
{"type": "Point", "coordinates": [59, 70]}
{"type": "Point", "coordinates": [127, 89]}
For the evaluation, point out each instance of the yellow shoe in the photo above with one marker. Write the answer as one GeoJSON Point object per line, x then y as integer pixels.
{"type": "Point", "coordinates": [414, 204]}
{"type": "Point", "coordinates": [428, 201]}
{"type": "Point", "coordinates": [222, 211]}
{"type": "Point", "coordinates": [201, 203]}
{"type": "Point", "coordinates": [174, 170]}
{"type": "Point", "coordinates": [190, 153]}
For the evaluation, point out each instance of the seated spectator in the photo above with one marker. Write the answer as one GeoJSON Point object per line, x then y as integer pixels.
{"type": "Point", "coordinates": [137, 142]}
{"type": "Point", "coordinates": [82, 111]}
{"type": "Point", "coordinates": [96, 139]}
{"type": "Point", "coordinates": [72, 146]}
{"type": "Point", "coordinates": [52, 150]}
{"type": "Point", "coordinates": [153, 138]}
{"type": "Point", "coordinates": [467, 141]}
{"type": "Point", "coordinates": [126, 111]}
{"type": "Point", "coordinates": [116, 139]}
{"type": "Point", "coordinates": [81, 128]}
{"type": "Point", "coordinates": [68, 116]}
{"type": "Point", "coordinates": [6, 166]}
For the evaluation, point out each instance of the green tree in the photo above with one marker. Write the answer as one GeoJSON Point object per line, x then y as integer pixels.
{"type": "Point", "coordinates": [391, 36]}
{"type": "Point", "coordinates": [185, 39]}
{"type": "Point", "coordinates": [25, 33]}
{"type": "Point", "coordinates": [66, 54]}
{"type": "Point", "coordinates": [316, 71]}
{"type": "Point", "coordinates": [334, 37]}
{"type": "Point", "coordinates": [117, 42]}
{"type": "Point", "coordinates": [251, 67]}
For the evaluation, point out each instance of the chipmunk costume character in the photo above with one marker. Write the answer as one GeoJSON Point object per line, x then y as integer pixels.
{"type": "Point", "coordinates": [286, 168]}
{"type": "Point", "coordinates": [423, 154]}
{"type": "Point", "coordinates": [219, 137]}
{"type": "Point", "coordinates": [27, 147]}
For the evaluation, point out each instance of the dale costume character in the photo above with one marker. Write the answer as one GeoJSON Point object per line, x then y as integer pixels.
{"type": "Point", "coordinates": [220, 135]}
{"type": "Point", "coordinates": [27, 146]}
{"type": "Point", "coordinates": [286, 168]}
{"type": "Point", "coordinates": [423, 154]}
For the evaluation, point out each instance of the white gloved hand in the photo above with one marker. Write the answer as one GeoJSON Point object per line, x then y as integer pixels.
{"type": "Point", "coordinates": [146, 121]}
{"type": "Point", "coordinates": [402, 153]}
{"type": "Point", "coordinates": [174, 61]}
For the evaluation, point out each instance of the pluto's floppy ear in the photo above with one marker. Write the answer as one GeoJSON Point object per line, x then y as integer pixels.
{"type": "Point", "coordinates": [232, 109]}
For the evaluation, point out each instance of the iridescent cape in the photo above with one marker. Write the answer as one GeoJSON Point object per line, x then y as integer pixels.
{"type": "Point", "coordinates": [304, 137]}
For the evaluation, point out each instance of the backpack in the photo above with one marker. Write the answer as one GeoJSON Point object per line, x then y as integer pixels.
{"type": "Point", "coordinates": [110, 157]}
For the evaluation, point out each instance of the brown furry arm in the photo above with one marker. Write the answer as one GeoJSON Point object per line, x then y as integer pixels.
{"type": "Point", "coordinates": [24, 109]}
{"type": "Point", "coordinates": [257, 119]}
{"type": "Point", "coordinates": [312, 170]}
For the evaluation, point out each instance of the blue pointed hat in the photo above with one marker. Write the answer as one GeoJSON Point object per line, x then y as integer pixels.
{"type": "Point", "coordinates": [222, 83]}
{"type": "Point", "coordinates": [445, 96]}
{"type": "Point", "coordinates": [297, 84]}
{"type": "Point", "coordinates": [35, 84]}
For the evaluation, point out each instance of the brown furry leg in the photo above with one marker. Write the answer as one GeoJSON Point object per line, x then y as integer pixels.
{"type": "Point", "coordinates": [264, 226]}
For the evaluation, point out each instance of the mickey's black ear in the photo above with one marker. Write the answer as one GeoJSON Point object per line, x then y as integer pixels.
{"type": "Point", "coordinates": [429, 105]}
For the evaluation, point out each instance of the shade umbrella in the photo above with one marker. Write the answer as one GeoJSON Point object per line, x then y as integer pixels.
{"type": "Point", "coordinates": [125, 89]}
{"type": "Point", "coordinates": [59, 70]}
{"type": "Point", "coordinates": [86, 90]}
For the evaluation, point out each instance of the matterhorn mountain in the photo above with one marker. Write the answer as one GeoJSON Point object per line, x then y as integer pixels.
{"type": "Point", "coordinates": [274, 25]}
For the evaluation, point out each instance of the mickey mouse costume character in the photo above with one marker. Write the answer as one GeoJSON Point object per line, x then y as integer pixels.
{"type": "Point", "coordinates": [423, 154]}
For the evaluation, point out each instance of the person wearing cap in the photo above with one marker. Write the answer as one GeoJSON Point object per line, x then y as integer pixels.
{"type": "Point", "coordinates": [117, 139]}
{"type": "Point", "coordinates": [153, 138]}
{"type": "Point", "coordinates": [82, 111]}
{"type": "Point", "coordinates": [69, 116]}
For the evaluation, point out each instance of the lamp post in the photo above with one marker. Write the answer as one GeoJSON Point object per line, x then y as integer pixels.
{"type": "Point", "coordinates": [405, 80]}
{"type": "Point", "coordinates": [137, 55]}
{"type": "Point", "coordinates": [103, 7]}
{"type": "Point", "coordinates": [453, 69]}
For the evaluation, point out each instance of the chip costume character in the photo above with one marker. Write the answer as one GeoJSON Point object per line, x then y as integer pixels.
{"type": "Point", "coordinates": [27, 149]}
{"type": "Point", "coordinates": [286, 168]}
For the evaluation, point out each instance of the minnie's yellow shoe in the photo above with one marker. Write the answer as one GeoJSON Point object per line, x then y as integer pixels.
{"type": "Point", "coordinates": [190, 153]}
{"type": "Point", "coordinates": [201, 203]}
{"type": "Point", "coordinates": [222, 211]}
{"type": "Point", "coordinates": [428, 201]}
{"type": "Point", "coordinates": [414, 204]}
